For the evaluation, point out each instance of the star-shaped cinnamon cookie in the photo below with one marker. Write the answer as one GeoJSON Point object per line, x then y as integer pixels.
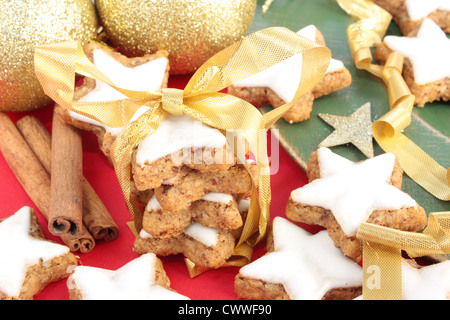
{"type": "Point", "coordinates": [426, 68]}
{"type": "Point", "coordinates": [299, 266]}
{"type": "Point", "coordinates": [277, 85]}
{"type": "Point", "coordinates": [342, 194]}
{"type": "Point", "coordinates": [140, 279]}
{"type": "Point", "coordinates": [179, 142]}
{"type": "Point", "coordinates": [146, 73]}
{"type": "Point", "coordinates": [29, 262]}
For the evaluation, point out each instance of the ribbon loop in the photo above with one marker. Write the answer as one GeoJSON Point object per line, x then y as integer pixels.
{"type": "Point", "coordinates": [172, 101]}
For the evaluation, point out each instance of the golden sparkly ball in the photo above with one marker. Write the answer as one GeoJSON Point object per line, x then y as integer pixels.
{"type": "Point", "coordinates": [27, 23]}
{"type": "Point", "coordinates": [190, 30]}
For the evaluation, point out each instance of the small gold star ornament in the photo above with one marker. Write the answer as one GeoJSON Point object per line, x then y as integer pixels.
{"type": "Point", "coordinates": [355, 129]}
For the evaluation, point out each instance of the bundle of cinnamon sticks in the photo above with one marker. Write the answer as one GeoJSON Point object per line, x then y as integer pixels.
{"type": "Point", "coordinates": [49, 168]}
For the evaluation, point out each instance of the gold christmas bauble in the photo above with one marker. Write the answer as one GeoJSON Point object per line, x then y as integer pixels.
{"type": "Point", "coordinates": [190, 30]}
{"type": "Point", "coordinates": [27, 23]}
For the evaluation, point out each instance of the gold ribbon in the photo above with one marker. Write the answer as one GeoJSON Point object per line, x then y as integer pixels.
{"type": "Point", "coordinates": [382, 246]}
{"type": "Point", "coordinates": [57, 64]}
{"type": "Point", "coordinates": [372, 23]}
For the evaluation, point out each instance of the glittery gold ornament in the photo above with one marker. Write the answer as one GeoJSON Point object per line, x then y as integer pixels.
{"type": "Point", "coordinates": [190, 30]}
{"type": "Point", "coordinates": [27, 23]}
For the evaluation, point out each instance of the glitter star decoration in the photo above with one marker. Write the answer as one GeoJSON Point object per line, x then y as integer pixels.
{"type": "Point", "coordinates": [355, 129]}
{"type": "Point", "coordinates": [307, 266]}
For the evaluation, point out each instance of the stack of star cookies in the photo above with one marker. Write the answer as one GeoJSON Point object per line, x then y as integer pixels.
{"type": "Point", "coordinates": [188, 183]}
{"type": "Point", "coordinates": [185, 176]}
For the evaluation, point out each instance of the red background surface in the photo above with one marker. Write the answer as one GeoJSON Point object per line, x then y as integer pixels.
{"type": "Point", "coordinates": [211, 285]}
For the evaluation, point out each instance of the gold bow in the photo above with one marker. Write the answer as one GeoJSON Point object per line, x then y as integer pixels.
{"type": "Point", "coordinates": [382, 246]}
{"type": "Point", "coordinates": [56, 65]}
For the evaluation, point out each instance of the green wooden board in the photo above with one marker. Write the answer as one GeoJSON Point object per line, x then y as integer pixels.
{"type": "Point", "coordinates": [430, 125]}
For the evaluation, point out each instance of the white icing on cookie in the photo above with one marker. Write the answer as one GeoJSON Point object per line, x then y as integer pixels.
{"type": "Point", "coordinates": [284, 77]}
{"type": "Point", "coordinates": [309, 32]}
{"type": "Point", "coordinates": [352, 191]}
{"type": "Point", "coordinates": [133, 281]}
{"type": "Point", "coordinates": [218, 197]}
{"type": "Point", "coordinates": [145, 235]}
{"type": "Point", "coordinates": [145, 77]}
{"type": "Point", "coordinates": [206, 235]}
{"type": "Point", "coordinates": [308, 266]}
{"type": "Point", "coordinates": [244, 205]}
{"type": "Point", "coordinates": [427, 283]}
{"type": "Point", "coordinates": [178, 133]}
{"type": "Point", "coordinates": [153, 204]}
{"type": "Point", "coordinates": [170, 180]}
{"type": "Point", "coordinates": [418, 9]}
{"type": "Point", "coordinates": [19, 251]}
{"type": "Point", "coordinates": [428, 52]}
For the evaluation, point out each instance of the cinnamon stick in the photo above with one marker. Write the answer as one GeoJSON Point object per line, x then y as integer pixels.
{"type": "Point", "coordinates": [34, 178]}
{"type": "Point", "coordinates": [66, 205]}
{"type": "Point", "coordinates": [96, 217]}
